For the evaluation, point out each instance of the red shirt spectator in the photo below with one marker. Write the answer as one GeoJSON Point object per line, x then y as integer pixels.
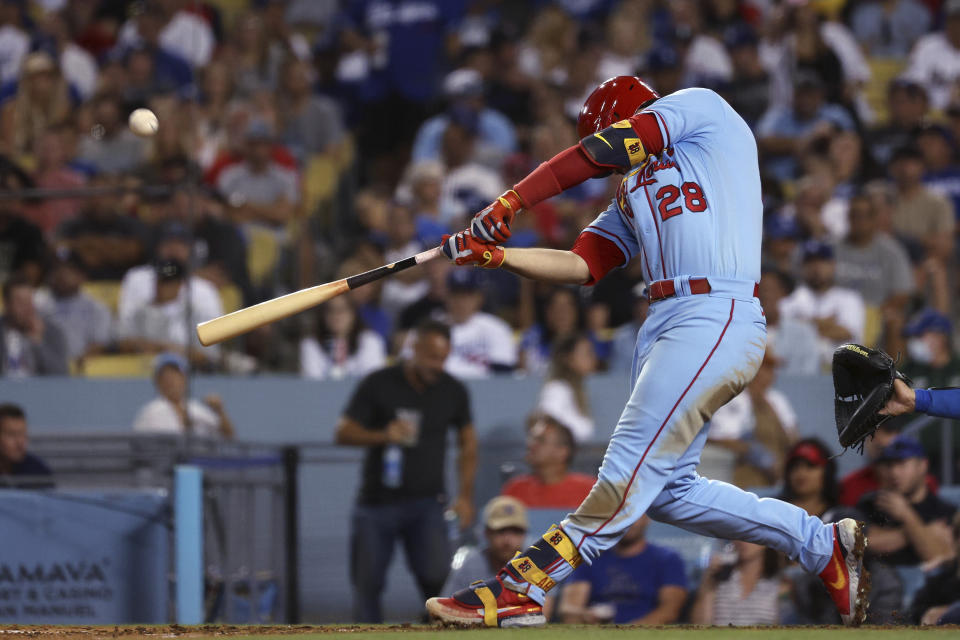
{"type": "Point", "coordinates": [551, 485]}
{"type": "Point", "coordinates": [533, 492]}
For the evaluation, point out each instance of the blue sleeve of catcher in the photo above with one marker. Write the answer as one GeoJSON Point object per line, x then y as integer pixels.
{"type": "Point", "coordinates": [942, 403]}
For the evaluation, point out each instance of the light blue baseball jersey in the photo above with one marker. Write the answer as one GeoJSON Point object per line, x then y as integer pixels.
{"type": "Point", "coordinates": [694, 209]}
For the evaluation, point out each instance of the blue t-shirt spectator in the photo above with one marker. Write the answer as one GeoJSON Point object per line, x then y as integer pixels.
{"type": "Point", "coordinates": [632, 584]}
{"type": "Point", "coordinates": [410, 36]}
{"type": "Point", "coordinates": [889, 32]}
{"type": "Point", "coordinates": [493, 130]}
{"type": "Point", "coordinates": [783, 122]}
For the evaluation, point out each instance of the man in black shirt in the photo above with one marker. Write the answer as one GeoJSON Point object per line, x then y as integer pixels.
{"type": "Point", "coordinates": [401, 414]}
{"type": "Point", "coordinates": [907, 524]}
{"type": "Point", "coordinates": [14, 459]}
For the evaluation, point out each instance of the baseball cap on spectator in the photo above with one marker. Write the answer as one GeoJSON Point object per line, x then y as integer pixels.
{"type": "Point", "coordinates": [258, 130]}
{"type": "Point", "coordinates": [168, 270]}
{"type": "Point", "coordinates": [169, 359]}
{"type": "Point", "coordinates": [806, 79]}
{"type": "Point", "coordinates": [661, 58]}
{"type": "Point", "coordinates": [739, 35]}
{"type": "Point", "coordinates": [807, 452]}
{"type": "Point", "coordinates": [463, 83]}
{"type": "Point", "coordinates": [175, 231]}
{"type": "Point", "coordinates": [908, 84]}
{"type": "Point", "coordinates": [902, 448]}
{"type": "Point", "coordinates": [928, 320]}
{"type": "Point", "coordinates": [464, 280]}
{"type": "Point", "coordinates": [38, 62]}
{"type": "Point", "coordinates": [505, 512]}
{"type": "Point", "coordinates": [464, 117]}
{"type": "Point", "coordinates": [816, 250]}
{"type": "Point", "coordinates": [782, 228]}
{"type": "Point", "coordinates": [907, 152]}
{"type": "Point", "coordinates": [65, 257]}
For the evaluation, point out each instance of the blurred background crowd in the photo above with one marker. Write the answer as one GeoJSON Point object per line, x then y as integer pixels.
{"type": "Point", "coordinates": [306, 140]}
{"type": "Point", "coordinates": [302, 141]}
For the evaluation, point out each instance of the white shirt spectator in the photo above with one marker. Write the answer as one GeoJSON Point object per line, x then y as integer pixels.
{"type": "Point", "coordinates": [558, 401]}
{"type": "Point", "coordinates": [187, 35]}
{"type": "Point", "coordinates": [160, 416]}
{"type": "Point", "coordinates": [796, 344]}
{"type": "Point", "coordinates": [315, 362]}
{"type": "Point", "coordinates": [136, 312]}
{"type": "Point", "coordinates": [466, 190]}
{"type": "Point", "coordinates": [735, 420]}
{"type": "Point", "coordinates": [935, 64]}
{"type": "Point", "coordinates": [80, 69]}
{"type": "Point", "coordinates": [707, 59]}
{"type": "Point", "coordinates": [845, 305]}
{"type": "Point", "coordinates": [14, 45]}
{"type": "Point", "coordinates": [84, 320]}
{"type": "Point", "coordinates": [478, 344]}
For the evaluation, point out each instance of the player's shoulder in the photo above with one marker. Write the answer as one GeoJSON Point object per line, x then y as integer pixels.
{"type": "Point", "coordinates": [691, 96]}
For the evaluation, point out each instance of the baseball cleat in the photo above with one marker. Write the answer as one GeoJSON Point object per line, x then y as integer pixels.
{"type": "Point", "coordinates": [487, 603]}
{"type": "Point", "coordinates": [847, 581]}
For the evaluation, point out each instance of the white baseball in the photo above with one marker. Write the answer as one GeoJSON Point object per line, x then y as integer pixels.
{"type": "Point", "coordinates": [144, 123]}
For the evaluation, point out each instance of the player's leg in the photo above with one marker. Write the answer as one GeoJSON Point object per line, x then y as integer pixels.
{"type": "Point", "coordinates": [833, 551]}
{"type": "Point", "coordinates": [373, 535]}
{"type": "Point", "coordinates": [721, 510]}
{"type": "Point", "coordinates": [426, 545]}
{"type": "Point", "coordinates": [693, 358]}
{"type": "Point", "coordinates": [704, 354]}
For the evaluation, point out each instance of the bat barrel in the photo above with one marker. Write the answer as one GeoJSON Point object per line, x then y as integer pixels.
{"type": "Point", "coordinates": [245, 320]}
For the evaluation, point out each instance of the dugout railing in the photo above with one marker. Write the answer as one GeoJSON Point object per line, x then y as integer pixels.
{"type": "Point", "coordinates": [250, 509]}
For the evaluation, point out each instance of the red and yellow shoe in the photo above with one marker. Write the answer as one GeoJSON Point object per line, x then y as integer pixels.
{"type": "Point", "coordinates": [487, 603]}
{"type": "Point", "coordinates": [845, 578]}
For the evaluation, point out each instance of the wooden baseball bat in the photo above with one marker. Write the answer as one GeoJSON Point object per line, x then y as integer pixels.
{"type": "Point", "coordinates": [241, 321]}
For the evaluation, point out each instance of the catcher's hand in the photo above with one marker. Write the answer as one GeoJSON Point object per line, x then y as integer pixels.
{"type": "Point", "coordinates": [863, 382]}
{"type": "Point", "coordinates": [462, 248]}
{"type": "Point", "coordinates": [493, 223]}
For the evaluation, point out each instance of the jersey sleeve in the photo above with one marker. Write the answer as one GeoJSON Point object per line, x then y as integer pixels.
{"type": "Point", "coordinates": [688, 114]}
{"type": "Point", "coordinates": [606, 243]}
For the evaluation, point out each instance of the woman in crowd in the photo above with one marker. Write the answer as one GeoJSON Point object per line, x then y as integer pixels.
{"type": "Point", "coordinates": [810, 477]}
{"type": "Point", "coordinates": [341, 346]}
{"type": "Point", "coordinates": [562, 316]}
{"type": "Point", "coordinates": [564, 396]}
{"type": "Point", "coordinates": [741, 587]}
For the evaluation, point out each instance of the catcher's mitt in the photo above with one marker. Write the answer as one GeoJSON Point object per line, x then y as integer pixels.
{"type": "Point", "coordinates": [862, 383]}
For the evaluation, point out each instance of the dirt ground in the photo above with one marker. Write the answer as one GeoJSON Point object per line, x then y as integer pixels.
{"type": "Point", "coordinates": [426, 632]}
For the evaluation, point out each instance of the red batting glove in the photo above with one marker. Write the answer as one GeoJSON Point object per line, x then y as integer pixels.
{"type": "Point", "coordinates": [463, 248]}
{"type": "Point", "coordinates": [492, 225]}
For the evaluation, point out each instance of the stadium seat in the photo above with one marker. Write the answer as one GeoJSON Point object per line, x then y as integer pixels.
{"type": "Point", "coordinates": [230, 298]}
{"type": "Point", "coordinates": [263, 252]}
{"type": "Point", "coordinates": [133, 365]}
{"type": "Point", "coordinates": [882, 71]}
{"type": "Point", "coordinates": [106, 291]}
{"type": "Point", "coordinates": [873, 326]}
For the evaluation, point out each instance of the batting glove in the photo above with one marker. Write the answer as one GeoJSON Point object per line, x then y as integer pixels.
{"type": "Point", "coordinates": [463, 248]}
{"type": "Point", "coordinates": [492, 225]}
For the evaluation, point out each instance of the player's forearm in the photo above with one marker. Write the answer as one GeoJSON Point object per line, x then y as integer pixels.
{"type": "Point", "coordinates": [564, 170]}
{"type": "Point", "coordinates": [548, 265]}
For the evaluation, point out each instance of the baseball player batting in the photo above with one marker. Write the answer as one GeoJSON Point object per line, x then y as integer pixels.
{"type": "Point", "coordinates": [689, 206]}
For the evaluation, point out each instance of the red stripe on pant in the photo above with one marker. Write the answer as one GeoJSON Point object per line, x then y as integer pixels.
{"type": "Point", "coordinates": [657, 435]}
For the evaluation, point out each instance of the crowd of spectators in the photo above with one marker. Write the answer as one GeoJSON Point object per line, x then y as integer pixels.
{"type": "Point", "coordinates": [303, 141]}
{"type": "Point", "coordinates": [306, 140]}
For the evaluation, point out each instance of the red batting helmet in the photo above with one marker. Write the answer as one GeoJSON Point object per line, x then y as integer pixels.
{"type": "Point", "coordinates": [614, 100]}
